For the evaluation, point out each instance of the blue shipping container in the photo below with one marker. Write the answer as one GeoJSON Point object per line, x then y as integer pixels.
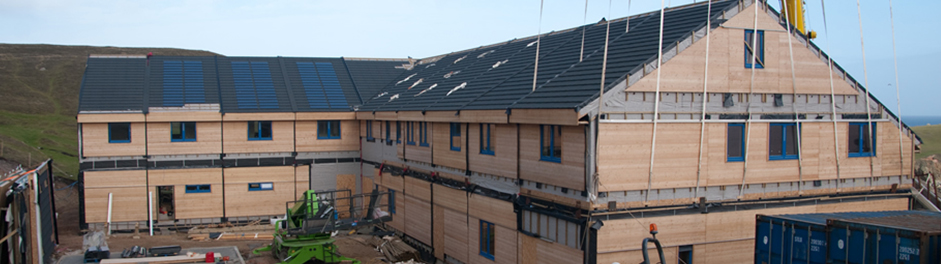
{"type": "Point", "coordinates": [902, 239]}
{"type": "Point", "coordinates": [800, 238]}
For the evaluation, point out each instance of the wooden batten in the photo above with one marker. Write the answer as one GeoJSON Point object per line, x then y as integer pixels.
{"type": "Point", "coordinates": [410, 116]}
{"type": "Point", "coordinates": [110, 118]}
{"type": "Point", "coordinates": [567, 117]}
{"type": "Point", "coordinates": [314, 116]}
{"type": "Point", "coordinates": [442, 116]}
{"type": "Point", "coordinates": [484, 116]}
{"type": "Point", "coordinates": [188, 116]}
{"type": "Point", "coordinates": [258, 117]}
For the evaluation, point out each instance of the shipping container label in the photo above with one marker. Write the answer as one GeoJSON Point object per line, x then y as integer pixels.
{"type": "Point", "coordinates": [905, 253]}
{"type": "Point", "coordinates": [817, 245]}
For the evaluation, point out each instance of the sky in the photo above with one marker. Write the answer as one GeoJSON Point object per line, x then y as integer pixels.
{"type": "Point", "coordinates": [423, 28]}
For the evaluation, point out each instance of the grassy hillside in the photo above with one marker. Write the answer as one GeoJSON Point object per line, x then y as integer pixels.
{"type": "Point", "coordinates": [931, 135]}
{"type": "Point", "coordinates": [39, 86]}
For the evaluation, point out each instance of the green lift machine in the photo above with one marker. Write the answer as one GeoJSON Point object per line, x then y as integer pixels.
{"type": "Point", "coordinates": [305, 235]}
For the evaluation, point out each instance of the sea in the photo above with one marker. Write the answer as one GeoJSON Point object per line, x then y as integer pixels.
{"type": "Point", "coordinates": [914, 121]}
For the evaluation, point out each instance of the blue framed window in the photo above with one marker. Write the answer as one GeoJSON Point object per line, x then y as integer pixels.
{"type": "Point", "coordinates": [388, 133]}
{"type": "Point", "coordinates": [759, 48]}
{"type": "Point", "coordinates": [782, 141]}
{"type": "Point", "coordinates": [423, 134]}
{"type": "Point", "coordinates": [410, 133]}
{"type": "Point", "coordinates": [119, 132]}
{"type": "Point", "coordinates": [182, 131]}
{"type": "Point", "coordinates": [260, 186]}
{"type": "Point", "coordinates": [487, 241]}
{"type": "Point", "coordinates": [392, 201]}
{"type": "Point", "coordinates": [485, 144]}
{"type": "Point", "coordinates": [369, 136]}
{"type": "Point", "coordinates": [550, 143]}
{"type": "Point", "coordinates": [259, 130]}
{"type": "Point", "coordinates": [328, 129]}
{"type": "Point", "coordinates": [456, 136]}
{"type": "Point", "coordinates": [735, 145]}
{"type": "Point", "coordinates": [204, 188]}
{"type": "Point", "coordinates": [398, 132]}
{"type": "Point", "coordinates": [861, 143]}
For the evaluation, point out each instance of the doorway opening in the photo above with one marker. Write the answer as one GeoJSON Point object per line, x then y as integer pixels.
{"type": "Point", "coordinates": [165, 208]}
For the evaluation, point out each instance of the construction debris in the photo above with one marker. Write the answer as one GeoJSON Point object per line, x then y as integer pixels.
{"type": "Point", "coordinates": [394, 249]}
{"type": "Point", "coordinates": [231, 236]}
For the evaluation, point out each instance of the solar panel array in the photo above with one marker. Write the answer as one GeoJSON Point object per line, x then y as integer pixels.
{"type": "Point", "coordinates": [183, 83]}
{"type": "Point", "coordinates": [321, 85]}
{"type": "Point", "coordinates": [254, 88]}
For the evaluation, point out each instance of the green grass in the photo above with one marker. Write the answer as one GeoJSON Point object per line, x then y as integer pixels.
{"type": "Point", "coordinates": [40, 85]}
{"type": "Point", "coordinates": [931, 140]}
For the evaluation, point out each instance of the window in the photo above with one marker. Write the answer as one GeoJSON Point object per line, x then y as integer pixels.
{"type": "Point", "coordinates": [485, 146]}
{"type": "Point", "coordinates": [198, 188]}
{"type": "Point", "coordinates": [369, 136]}
{"type": "Point", "coordinates": [861, 143]}
{"type": "Point", "coordinates": [423, 134]}
{"type": "Point", "coordinates": [736, 142]}
{"type": "Point", "coordinates": [782, 144]}
{"type": "Point", "coordinates": [487, 239]}
{"type": "Point", "coordinates": [328, 129]}
{"type": "Point", "coordinates": [119, 132]}
{"type": "Point", "coordinates": [456, 136]}
{"type": "Point", "coordinates": [261, 186]}
{"type": "Point", "coordinates": [550, 143]}
{"type": "Point", "coordinates": [182, 131]}
{"type": "Point", "coordinates": [259, 130]}
{"type": "Point", "coordinates": [392, 201]}
{"type": "Point", "coordinates": [410, 133]}
{"type": "Point", "coordinates": [388, 133]}
{"type": "Point", "coordinates": [398, 132]}
{"type": "Point", "coordinates": [685, 255]}
{"type": "Point", "coordinates": [759, 48]}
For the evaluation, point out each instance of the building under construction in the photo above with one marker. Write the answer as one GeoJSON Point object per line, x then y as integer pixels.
{"type": "Point", "coordinates": [492, 155]}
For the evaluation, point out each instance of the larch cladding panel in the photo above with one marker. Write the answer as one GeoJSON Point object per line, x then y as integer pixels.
{"type": "Point", "coordinates": [503, 162]}
{"type": "Point", "coordinates": [492, 210]}
{"type": "Point", "coordinates": [418, 188]}
{"type": "Point", "coordinates": [418, 222]}
{"type": "Point", "coordinates": [240, 201]}
{"type": "Point", "coordinates": [191, 205]}
{"type": "Point", "coordinates": [307, 141]}
{"type": "Point", "coordinates": [417, 152]}
{"type": "Point", "coordinates": [537, 251]}
{"type": "Point", "coordinates": [619, 239]}
{"type": "Point", "coordinates": [129, 195]}
{"type": "Point", "coordinates": [235, 138]}
{"type": "Point", "coordinates": [570, 173]}
{"type": "Point", "coordinates": [450, 222]}
{"type": "Point", "coordinates": [505, 243]}
{"type": "Point", "coordinates": [208, 139]}
{"type": "Point", "coordinates": [727, 71]}
{"type": "Point", "coordinates": [443, 154]}
{"type": "Point", "coordinates": [95, 141]}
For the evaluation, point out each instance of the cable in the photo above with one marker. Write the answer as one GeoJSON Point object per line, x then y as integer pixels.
{"type": "Point", "coordinates": [751, 88]}
{"type": "Point", "coordinates": [581, 53]}
{"type": "Point", "coordinates": [656, 108]}
{"type": "Point", "coordinates": [538, 43]}
{"type": "Point", "coordinates": [898, 99]}
{"type": "Point", "coordinates": [836, 137]}
{"type": "Point", "coordinates": [628, 26]}
{"type": "Point", "coordinates": [797, 122]}
{"type": "Point", "coordinates": [862, 47]}
{"type": "Point", "coordinates": [705, 88]}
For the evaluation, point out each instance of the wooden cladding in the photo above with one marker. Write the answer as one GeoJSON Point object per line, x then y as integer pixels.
{"type": "Point", "coordinates": [109, 118]}
{"type": "Point", "coordinates": [95, 141]}
{"type": "Point", "coordinates": [235, 136]}
{"type": "Point", "coordinates": [208, 140]}
{"type": "Point", "coordinates": [569, 173]}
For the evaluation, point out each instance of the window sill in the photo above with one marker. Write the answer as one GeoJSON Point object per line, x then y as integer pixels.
{"type": "Point", "coordinates": [490, 153]}
{"type": "Point", "coordinates": [327, 138]}
{"type": "Point", "coordinates": [455, 149]}
{"type": "Point", "coordinates": [551, 159]}
{"type": "Point", "coordinates": [370, 140]}
{"type": "Point", "coordinates": [410, 143]}
{"type": "Point", "coordinates": [258, 139]}
{"type": "Point", "coordinates": [182, 140]}
{"type": "Point", "coordinates": [424, 145]}
{"type": "Point", "coordinates": [119, 141]}
{"type": "Point", "coordinates": [487, 255]}
{"type": "Point", "coordinates": [788, 157]}
{"type": "Point", "coordinates": [861, 155]}
{"type": "Point", "coordinates": [737, 159]}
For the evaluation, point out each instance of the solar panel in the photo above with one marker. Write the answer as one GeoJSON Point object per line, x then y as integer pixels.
{"type": "Point", "coordinates": [183, 83]}
{"type": "Point", "coordinates": [253, 85]}
{"type": "Point", "coordinates": [321, 85]}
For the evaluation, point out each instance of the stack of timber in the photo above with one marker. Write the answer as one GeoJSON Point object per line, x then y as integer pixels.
{"type": "Point", "coordinates": [190, 258]}
{"type": "Point", "coordinates": [394, 249]}
{"type": "Point", "coordinates": [231, 236]}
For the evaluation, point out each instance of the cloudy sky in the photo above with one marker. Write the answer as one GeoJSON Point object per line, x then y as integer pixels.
{"type": "Point", "coordinates": [422, 28]}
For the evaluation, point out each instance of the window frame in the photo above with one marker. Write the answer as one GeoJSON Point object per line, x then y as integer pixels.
{"type": "Point", "coordinates": [392, 201]}
{"type": "Point", "coordinates": [862, 127]}
{"type": "Point", "coordinates": [487, 239]}
{"type": "Point", "coordinates": [110, 136]}
{"type": "Point", "coordinates": [183, 130]}
{"type": "Point", "coordinates": [455, 132]}
{"type": "Point", "coordinates": [388, 133]}
{"type": "Point", "coordinates": [398, 132]}
{"type": "Point", "coordinates": [760, 61]}
{"type": "Point", "coordinates": [330, 125]}
{"type": "Point", "coordinates": [423, 134]}
{"type": "Point", "coordinates": [410, 133]}
{"type": "Point", "coordinates": [742, 142]}
{"type": "Point", "coordinates": [198, 188]}
{"type": "Point", "coordinates": [552, 143]}
{"type": "Point", "coordinates": [261, 186]}
{"type": "Point", "coordinates": [260, 125]}
{"type": "Point", "coordinates": [486, 149]}
{"type": "Point", "coordinates": [369, 136]}
{"type": "Point", "coordinates": [784, 155]}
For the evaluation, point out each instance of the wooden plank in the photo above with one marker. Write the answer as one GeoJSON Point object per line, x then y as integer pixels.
{"type": "Point", "coordinates": [129, 204]}
{"type": "Point", "coordinates": [208, 139]}
{"type": "Point", "coordinates": [443, 154]}
{"type": "Point", "coordinates": [503, 162]}
{"type": "Point", "coordinates": [455, 234]}
{"type": "Point", "coordinates": [568, 117]}
{"type": "Point", "coordinates": [570, 173]}
{"type": "Point", "coordinates": [315, 116]}
{"type": "Point", "coordinates": [484, 116]}
{"type": "Point", "coordinates": [417, 188]}
{"type": "Point", "coordinates": [236, 138]}
{"type": "Point", "coordinates": [184, 116]}
{"type": "Point", "coordinates": [442, 116]}
{"type": "Point", "coordinates": [492, 210]}
{"type": "Point", "coordinates": [418, 222]}
{"type": "Point", "coordinates": [196, 258]}
{"type": "Point", "coordinates": [95, 141]}
{"type": "Point", "coordinates": [258, 117]}
{"type": "Point", "coordinates": [450, 198]}
{"type": "Point", "coordinates": [110, 118]}
{"type": "Point", "coordinates": [307, 141]}
{"type": "Point", "coordinates": [115, 178]}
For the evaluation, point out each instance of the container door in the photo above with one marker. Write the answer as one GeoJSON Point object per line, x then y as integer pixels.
{"type": "Point", "coordinates": [838, 245]}
{"type": "Point", "coordinates": [762, 242]}
{"type": "Point", "coordinates": [800, 245]}
{"type": "Point", "coordinates": [818, 246]}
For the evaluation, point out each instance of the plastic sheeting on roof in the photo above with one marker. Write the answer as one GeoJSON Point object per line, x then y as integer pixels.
{"type": "Point", "coordinates": [464, 84]}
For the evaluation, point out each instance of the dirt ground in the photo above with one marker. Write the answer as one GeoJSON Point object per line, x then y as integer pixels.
{"type": "Point", "coordinates": [70, 238]}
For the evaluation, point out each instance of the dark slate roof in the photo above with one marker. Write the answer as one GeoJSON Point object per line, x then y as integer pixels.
{"type": "Point", "coordinates": [238, 84]}
{"type": "Point", "coordinates": [500, 76]}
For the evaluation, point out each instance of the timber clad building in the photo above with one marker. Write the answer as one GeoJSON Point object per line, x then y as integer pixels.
{"type": "Point", "coordinates": [486, 165]}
